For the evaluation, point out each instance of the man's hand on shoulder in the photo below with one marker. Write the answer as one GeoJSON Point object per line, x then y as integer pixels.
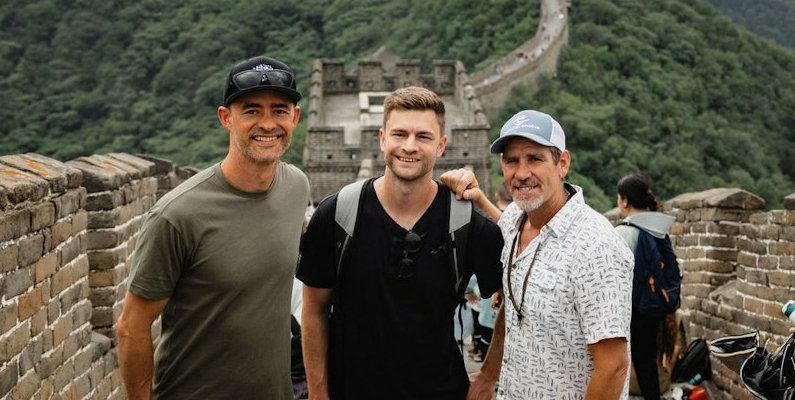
{"type": "Point", "coordinates": [463, 182]}
{"type": "Point", "coordinates": [465, 186]}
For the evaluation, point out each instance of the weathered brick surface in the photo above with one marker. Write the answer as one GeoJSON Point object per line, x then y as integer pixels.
{"type": "Point", "coordinates": [107, 259]}
{"type": "Point", "coordinates": [31, 249]}
{"type": "Point", "coordinates": [21, 186]}
{"type": "Point", "coordinates": [104, 201]}
{"type": "Point", "coordinates": [8, 257]}
{"type": "Point", "coordinates": [33, 301]}
{"type": "Point", "coordinates": [46, 350]}
{"type": "Point", "coordinates": [70, 202]}
{"type": "Point", "coordinates": [16, 282]}
{"type": "Point", "coordinates": [60, 176]}
{"type": "Point", "coordinates": [26, 387]}
{"type": "Point", "coordinates": [8, 378]}
{"type": "Point", "coordinates": [45, 267]}
{"type": "Point", "coordinates": [14, 224]}
{"type": "Point", "coordinates": [14, 342]}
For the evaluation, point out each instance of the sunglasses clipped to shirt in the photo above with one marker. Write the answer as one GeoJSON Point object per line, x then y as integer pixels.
{"type": "Point", "coordinates": [411, 244]}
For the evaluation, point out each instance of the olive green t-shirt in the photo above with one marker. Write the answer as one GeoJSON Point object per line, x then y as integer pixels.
{"type": "Point", "coordinates": [226, 261]}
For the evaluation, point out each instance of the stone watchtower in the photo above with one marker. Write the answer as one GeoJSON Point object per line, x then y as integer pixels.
{"type": "Point", "coordinates": [346, 110]}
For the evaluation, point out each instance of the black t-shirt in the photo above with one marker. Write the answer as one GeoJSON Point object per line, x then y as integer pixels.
{"type": "Point", "coordinates": [392, 337]}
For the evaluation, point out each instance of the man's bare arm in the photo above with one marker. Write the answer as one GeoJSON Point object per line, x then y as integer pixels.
{"type": "Point", "coordinates": [483, 382]}
{"type": "Point", "coordinates": [136, 352]}
{"type": "Point", "coordinates": [611, 366]}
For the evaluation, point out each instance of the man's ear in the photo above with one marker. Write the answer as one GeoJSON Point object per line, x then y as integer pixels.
{"type": "Point", "coordinates": [564, 164]}
{"type": "Point", "coordinates": [296, 115]}
{"type": "Point", "coordinates": [224, 116]}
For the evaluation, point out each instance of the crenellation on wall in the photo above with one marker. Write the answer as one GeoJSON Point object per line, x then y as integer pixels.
{"type": "Point", "coordinates": [345, 131]}
{"type": "Point", "coordinates": [60, 177]}
{"type": "Point", "coordinates": [736, 261]}
{"type": "Point", "coordinates": [789, 202]}
{"type": "Point", "coordinates": [167, 175]}
{"type": "Point", "coordinates": [21, 187]}
{"type": "Point", "coordinates": [96, 178]}
{"type": "Point", "coordinates": [718, 198]}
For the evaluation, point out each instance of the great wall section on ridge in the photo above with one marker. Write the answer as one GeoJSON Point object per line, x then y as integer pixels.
{"type": "Point", "coordinates": [345, 109]}
{"type": "Point", "coordinates": [67, 231]}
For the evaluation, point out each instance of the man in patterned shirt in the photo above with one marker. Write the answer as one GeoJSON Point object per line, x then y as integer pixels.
{"type": "Point", "coordinates": [564, 327]}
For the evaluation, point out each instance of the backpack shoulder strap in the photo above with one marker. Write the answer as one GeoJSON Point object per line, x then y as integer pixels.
{"type": "Point", "coordinates": [458, 228]}
{"type": "Point", "coordinates": [628, 223]}
{"type": "Point", "coordinates": [460, 213]}
{"type": "Point", "coordinates": [346, 212]}
{"type": "Point", "coordinates": [348, 205]}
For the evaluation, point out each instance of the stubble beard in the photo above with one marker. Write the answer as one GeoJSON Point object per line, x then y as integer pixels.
{"type": "Point", "coordinates": [526, 201]}
{"type": "Point", "coordinates": [251, 155]}
{"type": "Point", "coordinates": [529, 204]}
{"type": "Point", "coordinates": [407, 177]}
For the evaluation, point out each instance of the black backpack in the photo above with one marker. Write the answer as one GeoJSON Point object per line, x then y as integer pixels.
{"type": "Point", "coordinates": [694, 361]}
{"type": "Point", "coordinates": [459, 213]}
{"type": "Point", "coordinates": [658, 279]}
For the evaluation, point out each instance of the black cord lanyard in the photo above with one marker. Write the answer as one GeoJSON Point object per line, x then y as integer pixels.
{"type": "Point", "coordinates": [511, 266]}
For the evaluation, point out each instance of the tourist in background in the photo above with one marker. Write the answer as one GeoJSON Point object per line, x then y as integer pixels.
{"type": "Point", "coordinates": [216, 258]}
{"type": "Point", "coordinates": [503, 197]}
{"type": "Point", "coordinates": [635, 200]}
{"type": "Point", "coordinates": [567, 282]}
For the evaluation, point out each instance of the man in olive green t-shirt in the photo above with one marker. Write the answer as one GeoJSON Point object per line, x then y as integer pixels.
{"type": "Point", "coordinates": [216, 259]}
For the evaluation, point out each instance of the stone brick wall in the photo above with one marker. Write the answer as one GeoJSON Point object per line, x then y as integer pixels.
{"type": "Point", "coordinates": [738, 267]}
{"type": "Point", "coordinates": [67, 232]}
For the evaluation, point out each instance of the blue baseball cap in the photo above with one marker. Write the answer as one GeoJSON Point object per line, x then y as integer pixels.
{"type": "Point", "coordinates": [533, 125]}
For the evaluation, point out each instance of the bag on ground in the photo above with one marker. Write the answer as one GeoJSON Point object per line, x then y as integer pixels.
{"type": "Point", "coordinates": [733, 351]}
{"type": "Point", "coordinates": [694, 361]}
{"type": "Point", "coordinates": [771, 376]}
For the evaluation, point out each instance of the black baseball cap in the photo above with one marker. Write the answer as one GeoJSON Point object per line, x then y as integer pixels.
{"type": "Point", "coordinates": [260, 73]}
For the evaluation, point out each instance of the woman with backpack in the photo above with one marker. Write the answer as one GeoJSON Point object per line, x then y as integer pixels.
{"type": "Point", "coordinates": [654, 294]}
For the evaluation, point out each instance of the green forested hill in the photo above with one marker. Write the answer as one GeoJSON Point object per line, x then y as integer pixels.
{"type": "Point", "coordinates": [676, 90]}
{"type": "Point", "coordinates": [670, 87]}
{"type": "Point", "coordinates": [773, 19]}
{"type": "Point", "coordinates": [87, 76]}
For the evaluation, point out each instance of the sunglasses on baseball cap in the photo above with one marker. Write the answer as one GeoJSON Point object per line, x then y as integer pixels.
{"type": "Point", "coordinates": [260, 73]}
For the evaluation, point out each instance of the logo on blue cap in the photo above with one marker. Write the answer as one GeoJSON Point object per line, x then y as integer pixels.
{"type": "Point", "coordinates": [533, 125]}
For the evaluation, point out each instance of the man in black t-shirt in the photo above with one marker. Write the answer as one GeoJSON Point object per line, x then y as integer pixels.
{"type": "Point", "coordinates": [390, 334]}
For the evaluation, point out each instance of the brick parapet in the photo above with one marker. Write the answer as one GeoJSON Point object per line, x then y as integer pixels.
{"type": "Point", "coordinates": [738, 264]}
{"type": "Point", "coordinates": [66, 234]}
{"type": "Point", "coordinates": [738, 270]}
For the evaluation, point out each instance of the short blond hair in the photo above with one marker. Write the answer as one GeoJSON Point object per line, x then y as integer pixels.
{"type": "Point", "coordinates": [414, 98]}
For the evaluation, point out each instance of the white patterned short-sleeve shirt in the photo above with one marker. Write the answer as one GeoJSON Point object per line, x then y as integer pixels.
{"type": "Point", "coordinates": [578, 293]}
